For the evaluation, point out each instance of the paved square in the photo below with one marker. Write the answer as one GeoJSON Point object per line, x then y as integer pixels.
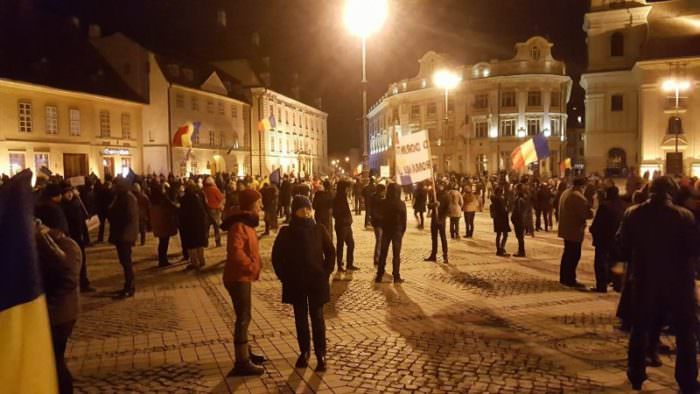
{"type": "Point", "coordinates": [481, 324]}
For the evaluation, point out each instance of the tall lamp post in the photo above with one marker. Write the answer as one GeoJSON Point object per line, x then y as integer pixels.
{"type": "Point", "coordinates": [446, 80]}
{"type": "Point", "coordinates": [364, 17]}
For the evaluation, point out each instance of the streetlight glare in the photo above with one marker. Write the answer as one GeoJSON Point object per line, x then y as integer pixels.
{"type": "Point", "coordinates": [364, 17]}
{"type": "Point", "coordinates": [446, 79]}
{"type": "Point", "coordinates": [670, 85]}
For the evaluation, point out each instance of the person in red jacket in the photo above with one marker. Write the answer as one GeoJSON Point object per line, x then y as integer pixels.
{"type": "Point", "coordinates": [241, 269]}
{"type": "Point", "coordinates": [215, 206]}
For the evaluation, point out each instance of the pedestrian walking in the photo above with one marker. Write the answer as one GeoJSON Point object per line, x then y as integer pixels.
{"type": "Point", "coordinates": [241, 269]}
{"type": "Point", "coordinates": [214, 200]}
{"type": "Point", "coordinates": [123, 216]}
{"type": "Point", "coordinates": [393, 224]}
{"type": "Point", "coordinates": [455, 210]}
{"type": "Point", "coordinates": [194, 225]}
{"type": "Point", "coordinates": [438, 220]}
{"type": "Point", "coordinates": [661, 240]}
{"type": "Point", "coordinates": [573, 213]}
{"type": "Point", "coordinates": [499, 214]}
{"type": "Point", "coordinates": [303, 259]}
{"type": "Point", "coordinates": [343, 228]}
{"type": "Point", "coordinates": [164, 214]}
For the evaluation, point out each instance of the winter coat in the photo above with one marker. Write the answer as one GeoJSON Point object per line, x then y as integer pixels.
{"type": "Point", "coordinates": [606, 223]}
{"type": "Point", "coordinates": [303, 258]}
{"type": "Point", "coordinates": [420, 199]}
{"type": "Point", "coordinates": [442, 211]}
{"type": "Point", "coordinates": [164, 218]}
{"type": "Point", "coordinates": [144, 207]}
{"type": "Point", "coordinates": [243, 261]}
{"type": "Point", "coordinates": [573, 213]}
{"type": "Point", "coordinates": [393, 211]}
{"type": "Point", "coordinates": [213, 197]}
{"type": "Point", "coordinates": [103, 199]}
{"type": "Point", "coordinates": [341, 209]}
{"type": "Point", "coordinates": [323, 206]}
{"type": "Point", "coordinates": [75, 217]}
{"type": "Point", "coordinates": [374, 207]}
{"type": "Point", "coordinates": [52, 216]}
{"type": "Point", "coordinates": [59, 262]}
{"type": "Point", "coordinates": [543, 198]}
{"type": "Point", "coordinates": [194, 221]}
{"type": "Point", "coordinates": [660, 241]}
{"type": "Point", "coordinates": [124, 219]}
{"type": "Point", "coordinates": [269, 198]}
{"type": "Point", "coordinates": [471, 202]}
{"type": "Point", "coordinates": [499, 213]}
{"type": "Point", "coordinates": [286, 193]}
{"type": "Point", "coordinates": [518, 215]}
{"type": "Point", "coordinates": [455, 206]}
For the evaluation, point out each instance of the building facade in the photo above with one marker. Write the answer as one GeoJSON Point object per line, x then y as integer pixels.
{"type": "Point", "coordinates": [497, 105]}
{"type": "Point", "coordinates": [297, 142]}
{"type": "Point", "coordinates": [71, 133]}
{"type": "Point", "coordinates": [639, 52]}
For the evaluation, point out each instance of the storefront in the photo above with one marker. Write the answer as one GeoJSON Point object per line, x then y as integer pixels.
{"type": "Point", "coordinates": [117, 161]}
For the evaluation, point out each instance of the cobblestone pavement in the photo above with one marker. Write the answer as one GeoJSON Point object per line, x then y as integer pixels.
{"type": "Point", "coordinates": [481, 324]}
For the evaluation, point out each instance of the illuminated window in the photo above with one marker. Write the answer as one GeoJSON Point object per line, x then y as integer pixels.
{"type": "Point", "coordinates": [508, 127]}
{"type": "Point", "coordinates": [17, 163]}
{"type": "Point", "coordinates": [481, 129]}
{"type": "Point", "coordinates": [41, 160]}
{"type": "Point", "coordinates": [556, 126]}
{"type": "Point", "coordinates": [126, 126]}
{"type": "Point", "coordinates": [74, 117]}
{"type": "Point", "coordinates": [25, 117]}
{"type": "Point", "coordinates": [51, 119]}
{"type": "Point", "coordinates": [105, 126]}
{"type": "Point", "coordinates": [533, 126]}
{"type": "Point", "coordinates": [535, 53]}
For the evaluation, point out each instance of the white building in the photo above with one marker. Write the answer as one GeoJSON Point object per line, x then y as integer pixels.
{"type": "Point", "coordinates": [495, 107]}
{"type": "Point", "coordinates": [633, 48]}
{"type": "Point", "coordinates": [179, 92]}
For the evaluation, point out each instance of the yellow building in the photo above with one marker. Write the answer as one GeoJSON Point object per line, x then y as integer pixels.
{"type": "Point", "coordinates": [72, 133]}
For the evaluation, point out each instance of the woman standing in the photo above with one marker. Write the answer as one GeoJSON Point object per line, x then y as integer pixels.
{"type": "Point", "coordinates": [471, 205]}
{"type": "Point", "coordinates": [499, 213]}
{"type": "Point", "coordinates": [163, 221]}
{"type": "Point", "coordinates": [194, 225]}
{"type": "Point", "coordinates": [241, 269]}
{"type": "Point", "coordinates": [303, 257]}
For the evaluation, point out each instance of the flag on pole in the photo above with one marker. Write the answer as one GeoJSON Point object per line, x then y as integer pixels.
{"type": "Point", "coordinates": [26, 359]}
{"type": "Point", "coordinates": [268, 123]}
{"type": "Point", "coordinates": [529, 152]}
{"type": "Point", "coordinates": [185, 134]}
{"type": "Point", "coordinates": [413, 161]}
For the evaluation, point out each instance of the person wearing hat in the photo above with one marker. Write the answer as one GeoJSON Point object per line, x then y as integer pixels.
{"type": "Point", "coordinates": [241, 269]}
{"type": "Point", "coordinates": [76, 214]}
{"type": "Point", "coordinates": [574, 210]}
{"type": "Point", "coordinates": [303, 259]}
{"type": "Point", "coordinates": [660, 240]}
{"type": "Point", "coordinates": [49, 211]}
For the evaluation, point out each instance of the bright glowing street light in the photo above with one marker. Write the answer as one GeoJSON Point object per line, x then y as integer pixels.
{"type": "Point", "coordinates": [347, 159]}
{"type": "Point", "coordinates": [671, 85]}
{"type": "Point", "coordinates": [446, 79]}
{"type": "Point", "coordinates": [362, 18]}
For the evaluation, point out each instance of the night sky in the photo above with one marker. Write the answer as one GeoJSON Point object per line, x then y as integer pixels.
{"type": "Point", "coordinates": [308, 37]}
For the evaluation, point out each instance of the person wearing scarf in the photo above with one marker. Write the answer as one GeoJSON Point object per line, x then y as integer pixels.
{"type": "Point", "coordinates": [303, 259]}
{"type": "Point", "coordinates": [241, 269]}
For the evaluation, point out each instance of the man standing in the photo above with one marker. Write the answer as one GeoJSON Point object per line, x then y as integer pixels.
{"type": "Point", "coordinates": [375, 217]}
{"type": "Point", "coordinates": [660, 239]}
{"type": "Point", "coordinates": [123, 219]}
{"type": "Point", "coordinates": [573, 213]}
{"type": "Point", "coordinates": [285, 197]}
{"type": "Point", "coordinates": [438, 219]}
{"type": "Point", "coordinates": [605, 224]}
{"type": "Point", "coordinates": [393, 213]}
{"type": "Point", "coordinates": [323, 207]}
{"type": "Point", "coordinates": [75, 215]}
{"type": "Point", "coordinates": [357, 195]}
{"type": "Point", "coordinates": [104, 197]}
{"type": "Point", "coordinates": [269, 200]}
{"type": "Point", "coordinates": [518, 217]}
{"type": "Point", "coordinates": [367, 194]}
{"type": "Point", "coordinates": [215, 205]}
{"type": "Point", "coordinates": [343, 227]}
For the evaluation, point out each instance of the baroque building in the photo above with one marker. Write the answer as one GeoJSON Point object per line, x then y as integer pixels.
{"type": "Point", "coordinates": [642, 104]}
{"type": "Point", "coordinates": [496, 106]}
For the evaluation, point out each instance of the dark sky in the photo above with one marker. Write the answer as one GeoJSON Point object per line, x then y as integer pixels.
{"type": "Point", "coordinates": [308, 37]}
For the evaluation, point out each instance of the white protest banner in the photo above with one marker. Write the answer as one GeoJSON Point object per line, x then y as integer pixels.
{"type": "Point", "coordinates": [76, 181]}
{"type": "Point", "coordinates": [413, 162]}
{"type": "Point", "coordinates": [384, 172]}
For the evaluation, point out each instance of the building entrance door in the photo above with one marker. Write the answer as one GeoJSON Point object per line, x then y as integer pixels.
{"type": "Point", "coordinates": [108, 164]}
{"type": "Point", "coordinates": [75, 164]}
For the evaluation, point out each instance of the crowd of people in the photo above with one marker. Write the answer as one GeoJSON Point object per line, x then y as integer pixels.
{"type": "Point", "coordinates": [651, 229]}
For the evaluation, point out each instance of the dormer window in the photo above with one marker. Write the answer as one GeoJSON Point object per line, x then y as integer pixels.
{"type": "Point", "coordinates": [617, 44]}
{"type": "Point", "coordinates": [535, 53]}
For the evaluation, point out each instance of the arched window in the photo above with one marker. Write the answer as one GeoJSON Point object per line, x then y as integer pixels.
{"type": "Point", "coordinates": [617, 44]}
{"type": "Point", "coordinates": [535, 53]}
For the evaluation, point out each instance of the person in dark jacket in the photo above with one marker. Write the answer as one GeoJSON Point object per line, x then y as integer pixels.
{"type": "Point", "coordinates": [303, 259]}
{"type": "Point", "coordinates": [194, 225]}
{"type": "Point", "coordinates": [499, 214]}
{"type": "Point", "coordinates": [343, 227]}
{"type": "Point", "coordinates": [270, 198]}
{"type": "Point", "coordinates": [144, 214]}
{"type": "Point", "coordinates": [605, 224]}
{"type": "Point", "coordinates": [49, 211]}
{"type": "Point", "coordinates": [163, 221]}
{"type": "Point", "coordinates": [543, 207]}
{"type": "Point", "coordinates": [59, 264]}
{"type": "Point", "coordinates": [76, 215]}
{"type": "Point", "coordinates": [438, 221]}
{"type": "Point", "coordinates": [123, 216]}
{"type": "Point", "coordinates": [357, 196]}
{"type": "Point", "coordinates": [323, 206]}
{"type": "Point", "coordinates": [367, 193]}
{"type": "Point", "coordinates": [393, 213]}
{"type": "Point", "coordinates": [104, 196]}
{"type": "Point", "coordinates": [285, 197]}
{"type": "Point", "coordinates": [420, 202]}
{"type": "Point", "coordinates": [375, 218]}
{"type": "Point", "coordinates": [518, 217]}
{"type": "Point", "coordinates": [660, 239]}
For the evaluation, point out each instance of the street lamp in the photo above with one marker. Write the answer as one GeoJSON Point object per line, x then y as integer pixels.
{"type": "Point", "coordinates": [676, 86]}
{"type": "Point", "coordinates": [446, 80]}
{"type": "Point", "coordinates": [347, 159]}
{"type": "Point", "coordinates": [364, 17]}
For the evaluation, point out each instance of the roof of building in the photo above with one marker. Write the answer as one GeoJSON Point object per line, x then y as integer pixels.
{"type": "Point", "coordinates": [674, 30]}
{"type": "Point", "coordinates": [58, 56]}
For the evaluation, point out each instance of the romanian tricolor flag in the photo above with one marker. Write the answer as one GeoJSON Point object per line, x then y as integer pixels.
{"type": "Point", "coordinates": [531, 151]}
{"type": "Point", "coordinates": [266, 124]}
{"type": "Point", "coordinates": [26, 352]}
{"type": "Point", "coordinates": [185, 134]}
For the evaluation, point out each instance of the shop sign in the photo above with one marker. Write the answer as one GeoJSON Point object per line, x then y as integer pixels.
{"type": "Point", "coordinates": [114, 152]}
